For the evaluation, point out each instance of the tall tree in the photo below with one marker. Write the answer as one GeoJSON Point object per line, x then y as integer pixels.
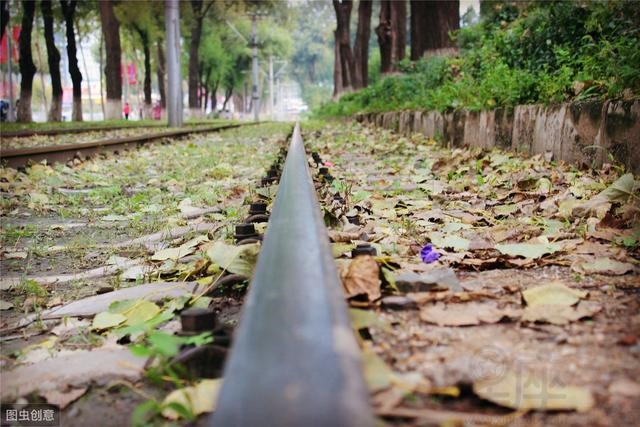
{"type": "Point", "coordinates": [199, 13]}
{"type": "Point", "coordinates": [160, 72]}
{"type": "Point", "coordinates": [27, 67]}
{"type": "Point", "coordinates": [4, 16]}
{"type": "Point", "coordinates": [361, 46]}
{"type": "Point", "coordinates": [343, 47]}
{"type": "Point", "coordinates": [53, 59]}
{"type": "Point", "coordinates": [68, 12]}
{"type": "Point", "coordinates": [111, 32]}
{"type": "Point", "coordinates": [392, 34]}
{"type": "Point", "coordinates": [144, 37]}
{"type": "Point", "coordinates": [431, 23]}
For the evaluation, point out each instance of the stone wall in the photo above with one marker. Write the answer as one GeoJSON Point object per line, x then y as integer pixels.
{"type": "Point", "coordinates": [585, 134]}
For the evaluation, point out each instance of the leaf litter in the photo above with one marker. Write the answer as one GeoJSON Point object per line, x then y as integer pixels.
{"type": "Point", "coordinates": [525, 256]}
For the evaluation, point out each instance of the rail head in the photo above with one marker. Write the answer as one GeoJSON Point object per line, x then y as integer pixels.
{"type": "Point", "coordinates": [295, 360]}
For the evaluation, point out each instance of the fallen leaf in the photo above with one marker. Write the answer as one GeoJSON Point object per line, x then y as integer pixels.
{"type": "Point", "coordinates": [173, 253]}
{"type": "Point", "coordinates": [466, 314]}
{"type": "Point", "coordinates": [618, 192]}
{"type": "Point", "coordinates": [606, 266]}
{"type": "Point", "coordinates": [339, 249]}
{"type": "Point", "coordinates": [198, 399]}
{"type": "Point", "coordinates": [377, 373]}
{"type": "Point", "coordinates": [524, 391]}
{"type": "Point", "coordinates": [558, 314]}
{"type": "Point", "coordinates": [135, 311]}
{"type": "Point", "coordinates": [361, 319]}
{"type": "Point", "coordinates": [235, 259]}
{"type": "Point", "coordinates": [527, 250]}
{"type": "Point", "coordinates": [552, 293]}
{"type": "Point", "coordinates": [452, 241]}
{"type": "Point", "coordinates": [434, 280]}
{"type": "Point", "coordinates": [106, 320]}
{"type": "Point", "coordinates": [362, 277]}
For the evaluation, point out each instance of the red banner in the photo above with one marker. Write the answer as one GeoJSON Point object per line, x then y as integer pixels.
{"type": "Point", "coordinates": [4, 45]}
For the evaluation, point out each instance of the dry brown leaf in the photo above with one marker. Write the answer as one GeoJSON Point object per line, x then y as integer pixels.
{"type": "Point", "coordinates": [466, 314]}
{"type": "Point", "coordinates": [599, 265]}
{"type": "Point", "coordinates": [362, 277]}
{"type": "Point", "coordinates": [552, 293]}
{"type": "Point", "coordinates": [560, 315]}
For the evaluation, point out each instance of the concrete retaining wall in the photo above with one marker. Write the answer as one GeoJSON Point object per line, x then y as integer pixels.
{"type": "Point", "coordinates": [584, 134]}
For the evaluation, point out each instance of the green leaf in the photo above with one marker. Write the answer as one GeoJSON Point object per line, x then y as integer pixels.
{"type": "Point", "coordinates": [235, 259]}
{"type": "Point", "coordinates": [528, 250]}
{"type": "Point", "coordinates": [166, 344]}
{"type": "Point", "coordinates": [106, 320]}
{"type": "Point", "coordinates": [173, 253]}
{"type": "Point", "coordinates": [140, 312]}
{"type": "Point", "coordinates": [140, 350]}
{"type": "Point", "coordinates": [361, 319]}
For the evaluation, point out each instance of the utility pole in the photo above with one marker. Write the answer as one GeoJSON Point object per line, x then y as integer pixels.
{"type": "Point", "coordinates": [172, 28]}
{"type": "Point", "coordinates": [255, 97]}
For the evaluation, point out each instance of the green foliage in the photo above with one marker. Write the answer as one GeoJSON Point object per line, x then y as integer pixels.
{"type": "Point", "coordinates": [533, 52]}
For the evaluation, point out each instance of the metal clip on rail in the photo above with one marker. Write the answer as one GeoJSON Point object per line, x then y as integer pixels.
{"type": "Point", "coordinates": [294, 359]}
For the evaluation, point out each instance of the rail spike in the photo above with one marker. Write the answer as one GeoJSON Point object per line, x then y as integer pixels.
{"type": "Point", "coordinates": [294, 361]}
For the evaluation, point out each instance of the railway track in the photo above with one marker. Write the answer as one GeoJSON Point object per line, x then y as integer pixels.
{"type": "Point", "coordinates": [23, 133]}
{"type": "Point", "coordinates": [20, 157]}
{"type": "Point", "coordinates": [294, 359]}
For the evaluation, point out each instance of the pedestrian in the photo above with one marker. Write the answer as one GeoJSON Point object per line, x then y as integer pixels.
{"type": "Point", "coordinates": [126, 110]}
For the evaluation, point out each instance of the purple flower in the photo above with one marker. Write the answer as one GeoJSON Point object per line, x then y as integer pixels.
{"type": "Point", "coordinates": [428, 255]}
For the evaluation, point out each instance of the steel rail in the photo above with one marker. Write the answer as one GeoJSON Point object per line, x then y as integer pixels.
{"type": "Point", "coordinates": [19, 157]}
{"type": "Point", "coordinates": [294, 361]}
{"type": "Point", "coordinates": [23, 133]}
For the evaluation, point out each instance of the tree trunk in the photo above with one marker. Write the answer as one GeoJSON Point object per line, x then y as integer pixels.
{"type": "Point", "coordinates": [399, 30]}
{"type": "Point", "coordinates": [383, 31]}
{"type": "Point", "coordinates": [27, 67]}
{"type": "Point", "coordinates": [214, 97]}
{"type": "Point", "coordinates": [347, 63]}
{"type": "Point", "coordinates": [160, 76]}
{"type": "Point", "coordinates": [111, 32]}
{"type": "Point", "coordinates": [337, 67]}
{"type": "Point", "coordinates": [53, 57]}
{"type": "Point", "coordinates": [68, 12]}
{"type": "Point", "coordinates": [227, 96]}
{"type": "Point", "coordinates": [361, 47]}
{"type": "Point", "coordinates": [196, 32]}
{"type": "Point", "coordinates": [144, 38]}
{"type": "Point", "coordinates": [392, 34]}
{"type": "Point", "coordinates": [431, 23]}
